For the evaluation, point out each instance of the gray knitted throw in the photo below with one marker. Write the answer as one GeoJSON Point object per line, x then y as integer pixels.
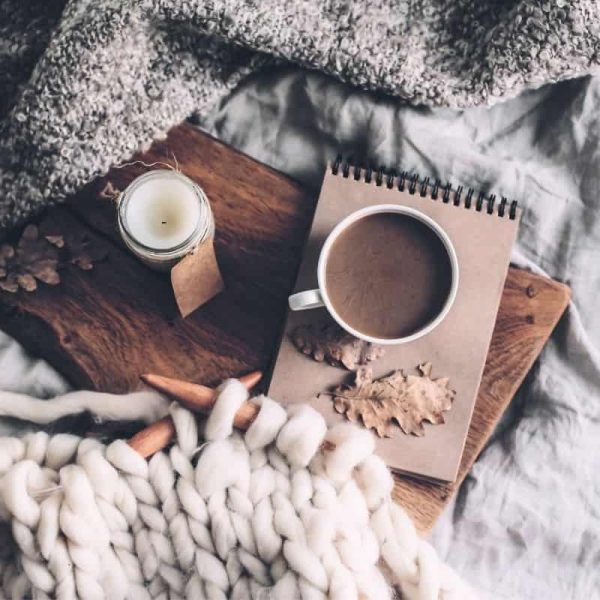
{"type": "Point", "coordinates": [84, 84]}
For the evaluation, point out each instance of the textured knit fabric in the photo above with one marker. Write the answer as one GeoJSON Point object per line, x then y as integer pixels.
{"type": "Point", "coordinates": [85, 84]}
{"type": "Point", "coordinates": [268, 514]}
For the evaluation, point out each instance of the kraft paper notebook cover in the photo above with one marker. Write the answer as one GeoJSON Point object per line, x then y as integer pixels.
{"type": "Point", "coordinates": [482, 230]}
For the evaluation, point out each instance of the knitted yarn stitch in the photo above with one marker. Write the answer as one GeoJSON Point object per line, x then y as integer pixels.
{"type": "Point", "coordinates": [265, 514]}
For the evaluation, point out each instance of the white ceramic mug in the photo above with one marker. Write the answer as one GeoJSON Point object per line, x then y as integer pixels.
{"type": "Point", "coordinates": [319, 297]}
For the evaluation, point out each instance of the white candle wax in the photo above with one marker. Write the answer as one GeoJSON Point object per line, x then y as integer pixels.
{"type": "Point", "coordinates": [162, 213]}
{"type": "Point", "coordinates": [162, 216]}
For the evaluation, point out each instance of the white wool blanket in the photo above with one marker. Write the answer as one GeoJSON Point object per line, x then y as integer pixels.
{"type": "Point", "coordinates": [270, 513]}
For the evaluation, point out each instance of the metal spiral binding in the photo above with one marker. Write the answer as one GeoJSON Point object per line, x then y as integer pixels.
{"type": "Point", "coordinates": [413, 184]}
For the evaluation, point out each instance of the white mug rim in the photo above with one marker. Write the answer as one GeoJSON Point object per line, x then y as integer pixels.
{"type": "Point", "coordinates": [399, 209]}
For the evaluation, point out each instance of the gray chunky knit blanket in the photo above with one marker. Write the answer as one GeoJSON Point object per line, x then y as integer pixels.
{"type": "Point", "coordinates": [84, 84]}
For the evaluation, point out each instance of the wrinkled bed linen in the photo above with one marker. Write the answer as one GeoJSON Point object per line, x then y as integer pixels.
{"type": "Point", "coordinates": [525, 523]}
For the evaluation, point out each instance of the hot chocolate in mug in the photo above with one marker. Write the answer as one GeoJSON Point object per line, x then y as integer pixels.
{"type": "Point", "coordinates": [388, 274]}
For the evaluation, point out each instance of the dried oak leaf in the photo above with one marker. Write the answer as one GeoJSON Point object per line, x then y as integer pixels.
{"type": "Point", "coordinates": [83, 251]}
{"type": "Point", "coordinates": [327, 341]}
{"type": "Point", "coordinates": [33, 259]}
{"type": "Point", "coordinates": [56, 240]}
{"type": "Point", "coordinates": [409, 400]}
{"type": "Point", "coordinates": [109, 191]}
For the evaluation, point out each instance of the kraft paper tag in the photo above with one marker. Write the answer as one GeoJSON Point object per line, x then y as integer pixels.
{"type": "Point", "coordinates": [196, 278]}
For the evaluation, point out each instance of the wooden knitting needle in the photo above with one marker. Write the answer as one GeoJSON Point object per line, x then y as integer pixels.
{"type": "Point", "coordinates": [195, 397]}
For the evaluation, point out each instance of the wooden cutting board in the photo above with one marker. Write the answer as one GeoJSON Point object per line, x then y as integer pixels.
{"type": "Point", "coordinates": [102, 328]}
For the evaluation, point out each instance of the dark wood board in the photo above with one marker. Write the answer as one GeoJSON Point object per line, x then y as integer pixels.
{"type": "Point", "coordinates": [104, 327]}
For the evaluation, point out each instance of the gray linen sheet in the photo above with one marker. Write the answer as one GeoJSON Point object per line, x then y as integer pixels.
{"type": "Point", "coordinates": [526, 522]}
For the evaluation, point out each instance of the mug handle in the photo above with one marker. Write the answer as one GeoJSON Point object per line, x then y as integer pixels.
{"type": "Point", "coordinates": [306, 300]}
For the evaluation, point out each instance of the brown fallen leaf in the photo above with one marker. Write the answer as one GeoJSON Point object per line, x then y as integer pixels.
{"type": "Point", "coordinates": [109, 192]}
{"type": "Point", "coordinates": [33, 259]}
{"type": "Point", "coordinates": [327, 341]}
{"type": "Point", "coordinates": [56, 240]}
{"type": "Point", "coordinates": [83, 251]}
{"type": "Point", "coordinates": [75, 246]}
{"type": "Point", "coordinates": [409, 400]}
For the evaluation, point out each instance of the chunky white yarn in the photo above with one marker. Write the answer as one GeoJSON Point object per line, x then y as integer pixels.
{"type": "Point", "coordinates": [266, 514]}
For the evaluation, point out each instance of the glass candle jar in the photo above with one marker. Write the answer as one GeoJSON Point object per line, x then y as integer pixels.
{"type": "Point", "coordinates": [162, 216]}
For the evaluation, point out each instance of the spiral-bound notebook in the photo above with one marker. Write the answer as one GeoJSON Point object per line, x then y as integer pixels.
{"type": "Point", "coordinates": [482, 230]}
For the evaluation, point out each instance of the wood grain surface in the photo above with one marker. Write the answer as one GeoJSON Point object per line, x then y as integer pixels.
{"type": "Point", "coordinates": [103, 328]}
